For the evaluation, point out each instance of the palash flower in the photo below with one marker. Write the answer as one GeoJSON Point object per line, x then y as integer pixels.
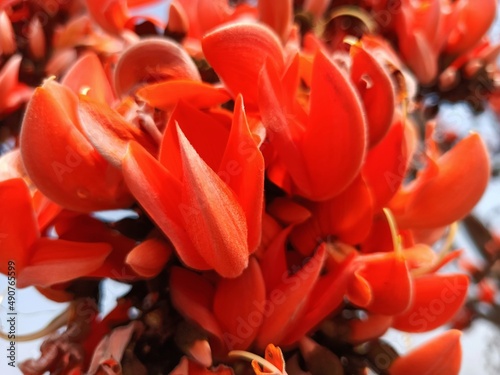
{"type": "Point", "coordinates": [276, 171]}
{"type": "Point", "coordinates": [427, 30]}
{"type": "Point", "coordinates": [85, 246]}
{"type": "Point", "coordinates": [182, 190]}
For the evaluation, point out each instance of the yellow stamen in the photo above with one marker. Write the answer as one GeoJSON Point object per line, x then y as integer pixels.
{"type": "Point", "coordinates": [84, 90]}
{"type": "Point", "coordinates": [254, 357]}
{"type": "Point", "coordinates": [356, 12]}
{"type": "Point", "coordinates": [56, 323]}
{"type": "Point", "coordinates": [396, 238]}
{"type": "Point", "coordinates": [445, 250]}
{"type": "Point", "coordinates": [50, 78]}
{"type": "Point", "coordinates": [352, 40]}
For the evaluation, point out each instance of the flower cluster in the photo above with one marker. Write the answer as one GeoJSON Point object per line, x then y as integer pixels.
{"type": "Point", "coordinates": [282, 181]}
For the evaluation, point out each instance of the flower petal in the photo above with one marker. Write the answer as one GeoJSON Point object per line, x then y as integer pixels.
{"type": "Point", "coordinates": [152, 60]}
{"type": "Point", "coordinates": [207, 133]}
{"type": "Point", "coordinates": [111, 15]}
{"type": "Point", "coordinates": [376, 90]}
{"type": "Point", "coordinates": [149, 257]}
{"type": "Point", "coordinates": [449, 190]}
{"type": "Point", "coordinates": [336, 133]}
{"type": "Point", "coordinates": [57, 261]}
{"type": "Point", "coordinates": [437, 298]}
{"type": "Point", "coordinates": [288, 301]}
{"type": "Point", "coordinates": [386, 164]}
{"type": "Point", "coordinates": [277, 15]}
{"type": "Point", "coordinates": [219, 231]}
{"type": "Point", "coordinates": [389, 280]}
{"type": "Point", "coordinates": [237, 306]}
{"type": "Point", "coordinates": [12, 93]}
{"type": "Point", "coordinates": [16, 236]}
{"type": "Point", "coordinates": [327, 295]}
{"type": "Point", "coordinates": [347, 217]}
{"type": "Point", "coordinates": [59, 159]}
{"type": "Point", "coordinates": [439, 356]}
{"type": "Point", "coordinates": [158, 192]}
{"type": "Point", "coordinates": [192, 295]}
{"type": "Point", "coordinates": [165, 95]}
{"type": "Point", "coordinates": [238, 51]}
{"type": "Point", "coordinates": [87, 72]}
{"type": "Point", "coordinates": [475, 18]}
{"type": "Point", "coordinates": [242, 168]}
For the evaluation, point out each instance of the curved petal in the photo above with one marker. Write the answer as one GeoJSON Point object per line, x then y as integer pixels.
{"type": "Point", "coordinates": [273, 261]}
{"type": "Point", "coordinates": [238, 51]}
{"type": "Point", "coordinates": [111, 15]}
{"type": "Point", "coordinates": [347, 217]}
{"type": "Point", "coordinates": [238, 305]}
{"type": "Point", "coordinates": [439, 356]}
{"type": "Point", "coordinates": [437, 298]}
{"type": "Point", "coordinates": [376, 90]}
{"type": "Point", "coordinates": [18, 235]}
{"type": "Point", "coordinates": [448, 189]}
{"type": "Point", "coordinates": [336, 133]}
{"type": "Point", "coordinates": [288, 300]}
{"type": "Point", "coordinates": [386, 165]}
{"type": "Point", "coordinates": [59, 159]}
{"type": "Point", "coordinates": [474, 20]}
{"type": "Point", "coordinates": [152, 60]}
{"type": "Point", "coordinates": [389, 280]}
{"type": "Point", "coordinates": [327, 295]}
{"type": "Point", "coordinates": [370, 328]}
{"type": "Point", "coordinates": [207, 133]}
{"type": "Point", "coordinates": [57, 261]}
{"type": "Point", "coordinates": [87, 72]}
{"type": "Point", "coordinates": [149, 257]}
{"type": "Point", "coordinates": [12, 92]}
{"type": "Point", "coordinates": [212, 13]}
{"type": "Point", "coordinates": [165, 95]}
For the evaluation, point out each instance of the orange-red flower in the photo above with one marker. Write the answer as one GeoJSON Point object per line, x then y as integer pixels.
{"type": "Point", "coordinates": [205, 159]}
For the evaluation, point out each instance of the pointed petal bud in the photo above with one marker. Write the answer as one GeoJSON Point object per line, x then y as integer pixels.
{"type": "Point", "coordinates": [149, 257]}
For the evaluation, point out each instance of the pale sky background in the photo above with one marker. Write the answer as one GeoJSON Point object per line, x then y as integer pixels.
{"type": "Point", "coordinates": [481, 344]}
